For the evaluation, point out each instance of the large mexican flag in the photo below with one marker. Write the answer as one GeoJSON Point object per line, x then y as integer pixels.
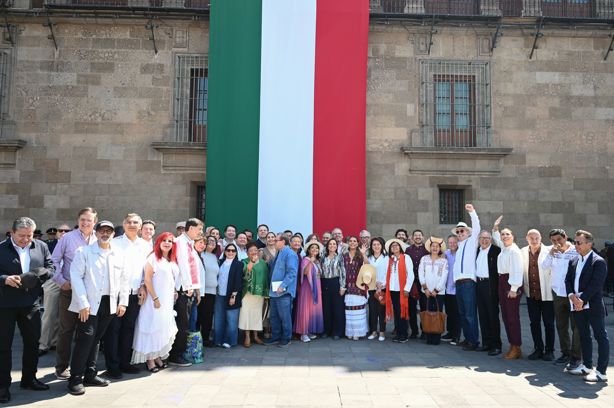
{"type": "Point", "coordinates": [286, 120]}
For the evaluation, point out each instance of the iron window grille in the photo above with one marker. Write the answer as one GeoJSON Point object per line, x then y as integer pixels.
{"type": "Point", "coordinates": [191, 98]}
{"type": "Point", "coordinates": [200, 202]}
{"type": "Point", "coordinates": [451, 202]}
{"type": "Point", "coordinates": [455, 104]}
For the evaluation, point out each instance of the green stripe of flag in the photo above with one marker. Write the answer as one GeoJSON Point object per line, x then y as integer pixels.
{"type": "Point", "coordinates": [234, 113]}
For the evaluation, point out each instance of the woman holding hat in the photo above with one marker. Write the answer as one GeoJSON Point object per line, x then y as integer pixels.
{"type": "Point", "coordinates": [433, 275]}
{"type": "Point", "coordinates": [355, 297]}
{"type": "Point", "coordinates": [255, 288]}
{"type": "Point", "coordinates": [399, 278]}
{"type": "Point", "coordinates": [309, 317]}
{"type": "Point", "coordinates": [377, 257]}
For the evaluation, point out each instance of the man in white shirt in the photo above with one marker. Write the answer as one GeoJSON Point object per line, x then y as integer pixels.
{"type": "Point", "coordinates": [120, 334]}
{"type": "Point", "coordinates": [487, 294]}
{"type": "Point", "coordinates": [99, 292]}
{"type": "Point", "coordinates": [584, 282]}
{"type": "Point", "coordinates": [241, 246]}
{"type": "Point", "coordinates": [557, 261]}
{"type": "Point", "coordinates": [465, 279]}
{"type": "Point", "coordinates": [148, 230]}
{"type": "Point", "coordinates": [187, 285]}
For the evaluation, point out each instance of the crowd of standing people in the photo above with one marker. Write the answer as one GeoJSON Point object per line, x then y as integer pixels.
{"type": "Point", "coordinates": [139, 294]}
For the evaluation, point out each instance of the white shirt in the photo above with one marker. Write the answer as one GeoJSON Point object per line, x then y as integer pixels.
{"type": "Point", "coordinates": [433, 274]}
{"type": "Point", "coordinates": [135, 254]}
{"type": "Point", "coordinates": [105, 278]}
{"type": "Point", "coordinates": [481, 267]}
{"type": "Point", "coordinates": [576, 282]}
{"type": "Point", "coordinates": [559, 263]}
{"type": "Point", "coordinates": [510, 262]}
{"type": "Point", "coordinates": [381, 266]}
{"type": "Point", "coordinates": [241, 253]}
{"type": "Point", "coordinates": [464, 265]}
{"type": "Point", "coordinates": [395, 284]}
{"type": "Point", "coordinates": [24, 256]}
{"type": "Point", "coordinates": [185, 280]}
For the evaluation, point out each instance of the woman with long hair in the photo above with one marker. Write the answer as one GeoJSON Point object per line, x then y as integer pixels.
{"type": "Point", "coordinates": [511, 269]}
{"type": "Point", "coordinates": [255, 289]}
{"type": "Point", "coordinates": [309, 318]}
{"type": "Point", "coordinates": [399, 280]}
{"type": "Point", "coordinates": [228, 298]}
{"type": "Point", "coordinates": [355, 297]}
{"type": "Point", "coordinates": [333, 290]}
{"type": "Point", "coordinates": [269, 251]}
{"type": "Point", "coordinates": [377, 256]}
{"type": "Point", "coordinates": [433, 276]}
{"type": "Point", "coordinates": [207, 300]}
{"type": "Point", "coordinates": [155, 328]}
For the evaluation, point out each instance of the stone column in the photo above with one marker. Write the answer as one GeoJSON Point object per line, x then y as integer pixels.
{"type": "Point", "coordinates": [490, 8]}
{"type": "Point", "coordinates": [531, 8]}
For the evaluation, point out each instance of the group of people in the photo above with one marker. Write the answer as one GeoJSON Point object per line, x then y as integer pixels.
{"type": "Point", "coordinates": [136, 294]}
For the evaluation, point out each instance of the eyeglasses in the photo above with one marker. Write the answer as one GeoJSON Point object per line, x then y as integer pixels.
{"type": "Point", "coordinates": [460, 231]}
{"type": "Point", "coordinates": [64, 230]}
{"type": "Point", "coordinates": [231, 250]}
{"type": "Point", "coordinates": [579, 243]}
{"type": "Point", "coordinates": [366, 236]}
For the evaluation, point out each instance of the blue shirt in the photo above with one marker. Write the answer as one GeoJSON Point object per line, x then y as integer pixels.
{"type": "Point", "coordinates": [285, 269]}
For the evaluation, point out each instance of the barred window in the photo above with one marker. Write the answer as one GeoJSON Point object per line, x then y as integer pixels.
{"type": "Point", "coordinates": [451, 202]}
{"type": "Point", "coordinates": [190, 108]}
{"type": "Point", "coordinates": [455, 109]}
{"type": "Point", "coordinates": [200, 202]}
{"type": "Point", "coordinates": [5, 70]}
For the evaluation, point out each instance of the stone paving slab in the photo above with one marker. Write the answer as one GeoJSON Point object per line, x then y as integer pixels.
{"type": "Point", "coordinates": [343, 373]}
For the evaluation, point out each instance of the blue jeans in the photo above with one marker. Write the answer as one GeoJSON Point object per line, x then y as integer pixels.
{"type": "Point", "coordinates": [226, 322]}
{"type": "Point", "coordinates": [281, 318]}
{"type": "Point", "coordinates": [585, 321]}
{"type": "Point", "coordinates": [466, 296]}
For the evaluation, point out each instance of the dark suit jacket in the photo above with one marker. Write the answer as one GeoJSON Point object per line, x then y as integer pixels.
{"type": "Point", "coordinates": [235, 283]}
{"type": "Point", "coordinates": [592, 278]}
{"type": "Point", "coordinates": [11, 265]}
{"type": "Point", "coordinates": [493, 271]}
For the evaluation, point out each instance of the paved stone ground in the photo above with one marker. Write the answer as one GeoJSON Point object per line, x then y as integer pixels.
{"type": "Point", "coordinates": [326, 373]}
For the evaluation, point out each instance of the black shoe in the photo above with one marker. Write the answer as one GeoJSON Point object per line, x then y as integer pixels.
{"type": "Point", "coordinates": [454, 342]}
{"type": "Point", "coordinates": [75, 387]}
{"type": "Point", "coordinates": [536, 355]}
{"type": "Point", "coordinates": [179, 362]}
{"type": "Point", "coordinates": [470, 347]}
{"type": "Point", "coordinates": [564, 359]}
{"type": "Point", "coordinates": [549, 356]}
{"type": "Point", "coordinates": [423, 336]}
{"type": "Point", "coordinates": [494, 352]}
{"type": "Point", "coordinates": [463, 343]}
{"type": "Point", "coordinates": [130, 369]}
{"type": "Point", "coordinates": [270, 342]}
{"type": "Point", "coordinates": [395, 339]}
{"type": "Point", "coordinates": [447, 337]}
{"type": "Point", "coordinates": [403, 339]}
{"type": "Point", "coordinates": [34, 385]}
{"type": "Point", "coordinates": [483, 348]}
{"type": "Point", "coordinates": [413, 336]}
{"type": "Point", "coordinates": [42, 352]}
{"type": "Point", "coordinates": [5, 395]}
{"type": "Point", "coordinates": [96, 382]}
{"type": "Point", "coordinates": [114, 374]}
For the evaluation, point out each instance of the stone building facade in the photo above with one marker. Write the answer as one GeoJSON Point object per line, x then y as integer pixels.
{"type": "Point", "coordinates": [99, 121]}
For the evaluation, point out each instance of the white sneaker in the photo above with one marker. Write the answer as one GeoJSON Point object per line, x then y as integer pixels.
{"type": "Point", "coordinates": [579, 370]}
{"type": "Point", "coordinates": [226, 345]}
{"type": "Point", "coordinates": [381, 338]}
{"type": "Point", "coordinates": [355, 338]}
{"type": "Point", "coordinates": [305, 338]}
{"type": "Point", "coordinates": [595, 376]}
{"type": "Point", "coordinates": [372, 336]}
{"type": "Point", "coordinates": [313, 336]}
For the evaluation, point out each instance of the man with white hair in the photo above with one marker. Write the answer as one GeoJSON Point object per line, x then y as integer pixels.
{"type": "Point", "coordinates": [538, 288]}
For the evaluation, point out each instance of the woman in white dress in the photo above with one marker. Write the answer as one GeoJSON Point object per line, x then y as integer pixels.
{"type": "Point", "coordinates": [155, 329]}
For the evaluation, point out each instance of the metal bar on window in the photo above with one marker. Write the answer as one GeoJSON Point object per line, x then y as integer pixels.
{"type": "Point", "coordinates": [190, 98]}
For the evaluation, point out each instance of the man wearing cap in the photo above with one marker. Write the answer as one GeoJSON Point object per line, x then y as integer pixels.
{"type": "Point", "coordinates": [180, 228]}
{"type": "Point", "coordinates": [465, 278]}
{"type": "Point", "coordinates": [51, 299]}
{"type": "Point", "coordinates": [100, 291]}
{"type": "Point", "coordinates": [62, 257]}
{"type": "Point", "coordinates": [24, 263]}
{"type": "Point", "coordinates": [120, 334]}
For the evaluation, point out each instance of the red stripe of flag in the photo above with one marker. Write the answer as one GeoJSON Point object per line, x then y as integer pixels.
{"type": "Point", "coordinates": [339, 163]}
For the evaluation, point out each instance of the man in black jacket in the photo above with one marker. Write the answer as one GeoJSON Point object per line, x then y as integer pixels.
{"type": "Point", "coordinates": [487, 277]}
{"type": "Point", "coordinates": [25, 263]}
{"type": "Point", "coordinates": [584, 283]}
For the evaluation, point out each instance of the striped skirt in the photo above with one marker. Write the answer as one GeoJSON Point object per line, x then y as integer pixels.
{"type": "Point", "coordinates": [355, 316]}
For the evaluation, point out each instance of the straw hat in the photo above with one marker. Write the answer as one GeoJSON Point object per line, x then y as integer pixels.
{"type": "Point", "coordinates": [436, 240]}
{"type": "Point", "coordinates": [366, 276]}
{"type": "Point", "coordinates": [461, 225]}
{"type": "Point", "coordinates": [310, 243]}
{"type": "Point", "coordinates": [398, 241]}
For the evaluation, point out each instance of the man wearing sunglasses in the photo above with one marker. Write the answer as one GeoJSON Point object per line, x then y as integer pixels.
{"type": "Point", "coordinates": [465, 278]}
{"type": "Point", "coordinates": [584, 283]}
